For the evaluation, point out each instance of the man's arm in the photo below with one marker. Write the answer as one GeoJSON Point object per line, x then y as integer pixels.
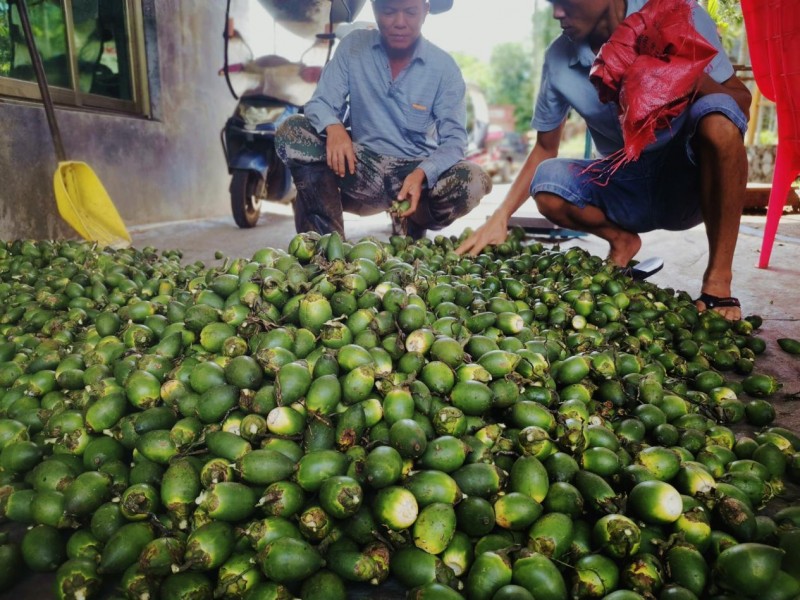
{"type": "Point", "coordinates": [450, 112]}
{"type": "Point", "coordinates": [329, 101]}
{"type": "Point", "coordinates": [732, 86]}
{"type": "Point", "coordinates": [495, 230]}
{"type": "Point", "coordinates": [719, 76]}
{"type": "Point", "coordinates": [325, 109]}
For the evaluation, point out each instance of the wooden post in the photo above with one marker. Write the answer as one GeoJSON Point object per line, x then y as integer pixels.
{"type": "Point", "coordinates": [754, 114]}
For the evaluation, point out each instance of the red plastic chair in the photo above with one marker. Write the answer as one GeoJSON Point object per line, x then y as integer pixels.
{"type": "Point", "coordinates": [773, 36]}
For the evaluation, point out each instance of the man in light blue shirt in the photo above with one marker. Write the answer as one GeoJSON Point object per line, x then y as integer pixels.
{"type": "Point", "coordinates": [695, 172]}
{"type": "Point", "coordinates": [404, 100]}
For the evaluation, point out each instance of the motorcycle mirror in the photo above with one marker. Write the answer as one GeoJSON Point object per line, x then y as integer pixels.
{"type": "Point", "coordinates": [345, 11]}
{"type": "Point", "coordinates": [307, 18]}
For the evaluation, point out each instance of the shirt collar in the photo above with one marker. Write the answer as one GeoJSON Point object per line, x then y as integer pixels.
{"type": "Point", "coordinates": [581, 54]}
{"type": "Point", "coordinates": [422, 52]}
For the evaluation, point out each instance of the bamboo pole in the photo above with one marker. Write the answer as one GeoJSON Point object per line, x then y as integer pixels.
{"type": "Point", "coordinates": [755, 111]}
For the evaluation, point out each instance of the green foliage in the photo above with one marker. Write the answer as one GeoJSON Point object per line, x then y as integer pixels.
{"type": "Point", "coordinates": [474, 70]}
{"type": "Point", "coordinates": [724, 12]}
{"type": "Point", "coordinates": [512, 81]}
{"type": "Point", "coordinates": [5, 41]}
{"type": "Point", "coordinates": [727, 14]}
{"type": "Point", "coordinates": [545, 30]}
{"type": "Point", "coordinates": [767, 137]}
{"type": "Point", "coordinates": [509, 78]}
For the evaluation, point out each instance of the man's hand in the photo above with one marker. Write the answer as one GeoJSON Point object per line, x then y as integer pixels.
{"type": "Point", "coordinates": [412, 191]}
{"type": "Point", "coordinates": [494, 231]}
{"type": "Point", "coordinates": [339, 148]}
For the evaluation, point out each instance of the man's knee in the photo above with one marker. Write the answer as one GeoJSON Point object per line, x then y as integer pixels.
{"type": "Point", "coordinates": [290, 129]}
{"type": "Point", "coordinates": [482, 182]}
{"type": "Point", "coordinates": [717, 131]}
{"type": "Point", "coordinates": [295, 140]}
{"type": "Point", "coordinates": [550, 206]}
{"type": "Point", "coordinates": [293, 125]}
{"type": "Point", "coordinates": [458, 191]}
{"type": "Point", "coordinates": [477, 181]}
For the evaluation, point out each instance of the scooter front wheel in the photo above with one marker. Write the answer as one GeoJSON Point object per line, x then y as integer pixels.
{"type": "Point", "coordinates": [247, 191]}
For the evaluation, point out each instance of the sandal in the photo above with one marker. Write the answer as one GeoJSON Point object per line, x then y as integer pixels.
{"type": "Point", "coordinates": [643, 270]}
{"type": "Point", "coordinates": [712, 302]}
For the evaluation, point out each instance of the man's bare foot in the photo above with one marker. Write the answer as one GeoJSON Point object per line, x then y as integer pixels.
{"type": "Point", "coordinates": [624, 248]}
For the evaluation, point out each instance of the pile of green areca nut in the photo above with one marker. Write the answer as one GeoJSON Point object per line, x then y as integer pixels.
{"type": "Point", "coordinates": [526, 424]}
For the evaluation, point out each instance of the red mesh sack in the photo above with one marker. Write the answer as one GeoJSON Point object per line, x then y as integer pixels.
{"type": "Point", "coordinates": [650, 67]}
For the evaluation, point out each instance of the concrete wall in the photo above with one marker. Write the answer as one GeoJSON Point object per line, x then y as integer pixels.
{"type": "Point", "coordinates": [761, 160]}
{"type": "Point", "coordinates": [168, 167]}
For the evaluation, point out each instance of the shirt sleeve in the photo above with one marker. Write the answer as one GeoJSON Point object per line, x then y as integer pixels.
{"type": "Point", "coordinates": [720, 68]}
{"type": "Point", "coordinates": [328, 105]}
{"type": "Point", "coordinates": [550, 108]}
{"type": "Point", "coordinates": [450, 116]}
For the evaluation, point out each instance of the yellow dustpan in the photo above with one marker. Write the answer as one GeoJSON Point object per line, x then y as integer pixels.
{"type": "Point", "coordinates": [80, 196]}
{"type": "Point", "coordinates": [84, 203]}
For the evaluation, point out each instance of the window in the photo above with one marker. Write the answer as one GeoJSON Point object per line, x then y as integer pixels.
{"type": "Point", "coordinates": [92, 51]}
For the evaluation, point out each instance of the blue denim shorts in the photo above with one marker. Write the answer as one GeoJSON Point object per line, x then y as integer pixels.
{"type": "Point", "coordinates": [660, 190]}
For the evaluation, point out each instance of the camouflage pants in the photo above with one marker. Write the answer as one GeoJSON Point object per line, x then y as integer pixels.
{"type": "Point", "coordinates": [322, 197]}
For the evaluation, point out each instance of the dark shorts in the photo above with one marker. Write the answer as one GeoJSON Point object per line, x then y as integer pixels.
{"type": "Point", "coordinates": [660, 190]}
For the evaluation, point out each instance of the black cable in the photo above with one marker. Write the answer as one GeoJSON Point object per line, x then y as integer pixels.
{"type": "Point", "coordinates": [226, 36]}
{"type": "Point", "coordinates": [331, 36]}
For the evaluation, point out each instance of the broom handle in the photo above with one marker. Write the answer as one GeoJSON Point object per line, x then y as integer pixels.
{"type": "Point", "coordinates": [41, 79]}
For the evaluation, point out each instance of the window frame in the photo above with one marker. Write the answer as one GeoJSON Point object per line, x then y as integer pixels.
{"type": "Point", "coordinates": [140, 104]}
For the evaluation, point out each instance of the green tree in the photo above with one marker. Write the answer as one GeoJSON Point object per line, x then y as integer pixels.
{"type": "Point", "coordinates": [727, 14]}
{"type": "Point", "coordinates": [511, 66]}
{"type": "Point", "coordinates": [5, 40]}
{"type": "Point", "coordinates": [724, 12]}
{"type": "Point", "coordinates": [545, 30]}
{"type": "Point", "coordinates": [474, 70]}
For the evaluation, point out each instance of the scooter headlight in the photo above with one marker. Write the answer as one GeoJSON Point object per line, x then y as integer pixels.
{"type": "Point", "coordinates": [258, 115]}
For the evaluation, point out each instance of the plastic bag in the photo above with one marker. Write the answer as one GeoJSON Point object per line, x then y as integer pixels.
{"type": "Point", "coordinates": [650, 67]}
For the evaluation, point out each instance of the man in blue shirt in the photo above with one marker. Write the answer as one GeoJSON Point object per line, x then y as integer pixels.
{"type": "Point", "coordinates": [695, 172]}
{"type": "Point", "coordinates": [405, 102]}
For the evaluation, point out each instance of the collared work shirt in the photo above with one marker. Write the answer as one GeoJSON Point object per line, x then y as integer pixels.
{"type": "Point", "coordinates": [420, 114]}
{"type": "Point", "coordinates": [565, 84]}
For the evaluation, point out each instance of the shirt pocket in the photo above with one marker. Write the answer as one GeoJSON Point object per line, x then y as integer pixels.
{"type": "Point", "coordinates": [418, 118]}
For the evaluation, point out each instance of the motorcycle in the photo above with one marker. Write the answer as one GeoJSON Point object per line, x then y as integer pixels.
{"type": "Point", "coordinates": [248, 141]}
{"type": "Point", "coordinates": [278, 89]}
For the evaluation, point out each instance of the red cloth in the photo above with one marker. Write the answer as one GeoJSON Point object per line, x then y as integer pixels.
{"type": "Point", "coordinates": [650, 67]}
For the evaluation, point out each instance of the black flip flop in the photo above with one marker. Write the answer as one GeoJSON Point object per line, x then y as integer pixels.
{"type": "Point", "coordinates": [642, 270]}
{"type": "Point", "coordinates": [712, 302]}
